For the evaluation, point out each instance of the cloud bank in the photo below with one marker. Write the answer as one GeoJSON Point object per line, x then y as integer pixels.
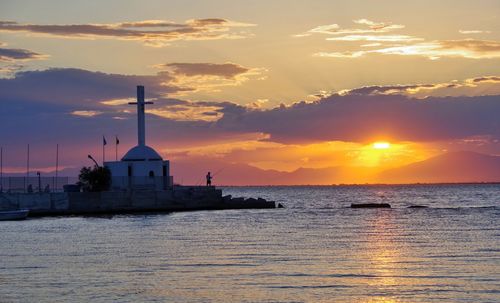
{"type": "Point", "coordinates": [76, 107]}
{"type": "Point", "coordinates": [150, 32]}
{"type": "Point", "coordinates": [402, 45]}
{"type": "Point", "coordinates": [365, 118]}
{"type": "Point", "coordinates": [209, 76]}
{"type": "Point", "coordinates": [88, 88]}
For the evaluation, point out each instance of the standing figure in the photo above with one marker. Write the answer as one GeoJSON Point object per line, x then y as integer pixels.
{"type": "Point", "coordinates": [209, 179]}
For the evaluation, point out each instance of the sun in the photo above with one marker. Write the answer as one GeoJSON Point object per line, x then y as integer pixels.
{"type": "Point", "coordinates": [381, 145]}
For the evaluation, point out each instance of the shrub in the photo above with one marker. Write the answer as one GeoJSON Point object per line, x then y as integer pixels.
{"type": "Point", "coordinates": [95, 179]}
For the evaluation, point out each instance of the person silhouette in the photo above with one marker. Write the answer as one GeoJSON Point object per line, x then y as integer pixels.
{"type": "Point", "coordinates": [209, 179]}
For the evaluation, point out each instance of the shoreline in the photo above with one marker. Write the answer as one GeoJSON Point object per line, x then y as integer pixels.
{"type": "Point", "coordinates": [369, 184]}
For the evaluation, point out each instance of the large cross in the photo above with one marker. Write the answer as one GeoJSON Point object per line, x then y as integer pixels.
{"type": "Point", "coordinates": [141, 124]}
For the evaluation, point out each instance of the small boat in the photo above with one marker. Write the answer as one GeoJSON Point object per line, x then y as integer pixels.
{"type": "Point", "coordinates": [8, 215]}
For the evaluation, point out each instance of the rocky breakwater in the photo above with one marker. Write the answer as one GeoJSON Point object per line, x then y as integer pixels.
{"type": "Point", "coordinates": [247, 203]}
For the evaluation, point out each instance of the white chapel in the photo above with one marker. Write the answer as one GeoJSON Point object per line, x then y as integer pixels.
{"type": "Point", "coordinates": [141, 166]}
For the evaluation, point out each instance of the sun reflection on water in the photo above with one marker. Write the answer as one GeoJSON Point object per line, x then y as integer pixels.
{"type": "Point", "coordinates": [383, 253]}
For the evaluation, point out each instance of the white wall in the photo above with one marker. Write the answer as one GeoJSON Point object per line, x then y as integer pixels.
{"type": "Point", "coordinates": [140, 173]}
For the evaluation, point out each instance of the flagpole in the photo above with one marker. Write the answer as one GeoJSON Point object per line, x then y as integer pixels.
{"type": "Point", "coordinates": [28, 163]}
{"type": "Point", "coordinates": [57, 165]}
{"type": "Point", "coordinates": [27, 168]}
{"type": "Point", "coordinates": [116, 148]}
{"type": "Point", "coordinates": [103, 146]}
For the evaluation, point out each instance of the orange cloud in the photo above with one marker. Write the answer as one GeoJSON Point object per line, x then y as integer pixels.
{"type": "Point", "coordinates": [468, 32]}
{"type": "Point", "coordinates": [195, 77]}
{"type": "Point", "coordinates": [188, 112]}
{"type": "Point", "coordinates": [407, 44]}
{"type": "Point", "coordinates": [370, 27]}
{"type": "Point", "coordinates": [468, 48]}
{"type": "Point", "coordinates": [86, 113]}
{"type": "Point", "coordinates": [376, 38]}
{"type": "Point", "coordinates": [150, 32]}
{"type": "Point", "coordinates": [487, 85]}
{"type": "Point", "coordinates": [226, 70]}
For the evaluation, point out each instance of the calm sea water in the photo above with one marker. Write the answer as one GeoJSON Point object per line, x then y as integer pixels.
{"type": "Point", "coordinates": [315, 250]}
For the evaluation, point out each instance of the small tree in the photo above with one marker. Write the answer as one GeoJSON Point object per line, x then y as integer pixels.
{"type": "Point", "coordinates": [95, 179]}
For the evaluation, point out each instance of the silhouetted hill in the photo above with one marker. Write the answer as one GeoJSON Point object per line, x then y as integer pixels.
{"type": "Point", "coordinates": [446, 168]}
{"type": "Point", "coordinates": [450, 167]}
{"type": "Point", "coordinates": [243, 174]}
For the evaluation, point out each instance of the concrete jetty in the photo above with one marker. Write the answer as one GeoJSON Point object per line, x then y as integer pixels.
{"type": "Point", "coordinates": [180, 198]}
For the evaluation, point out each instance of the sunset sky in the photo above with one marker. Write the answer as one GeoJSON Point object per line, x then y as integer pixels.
{"type": "Point", "coordinates": [344, 89]}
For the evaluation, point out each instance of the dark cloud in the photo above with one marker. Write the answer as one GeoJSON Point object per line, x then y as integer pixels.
{"type": "Point", "coordinates": [79, 87]}
{"type": "Point", "coordinates": [37, 108]}
{"type": "Point", "coordinates": [491, 79]}
{"type": "Point", "coordinates": [365, 117]}
{"type": "Point", "coordinates": [57, 105]}
{"type": "Point", "coordinates": [84, 90]}
{"type": "Point", "coordinates": [362, 114]}
{"type": "Point", "coordinates": [16, 54]}
{"type": "Point", "coordinates": [209, 76]}
{"type": "Point", "coordinates": [154, 32]}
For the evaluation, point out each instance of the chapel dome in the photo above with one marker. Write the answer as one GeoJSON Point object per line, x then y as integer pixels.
{"type": "Point", "coordinates": [142, 153]}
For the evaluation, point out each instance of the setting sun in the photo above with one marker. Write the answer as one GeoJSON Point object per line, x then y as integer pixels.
{"type": "Point", "coordinates": [381, 145]}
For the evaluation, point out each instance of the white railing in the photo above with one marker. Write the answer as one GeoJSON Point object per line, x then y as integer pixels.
{"type": "Point", "coordinates": [53, 184]}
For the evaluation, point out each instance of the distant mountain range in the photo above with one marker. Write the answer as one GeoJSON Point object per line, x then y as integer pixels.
{"type": "Point", "coordinates": [452, 167]}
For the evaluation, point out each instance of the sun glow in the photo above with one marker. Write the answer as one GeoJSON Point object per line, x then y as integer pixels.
{"type": "Point", "coordinates": [381, 145]}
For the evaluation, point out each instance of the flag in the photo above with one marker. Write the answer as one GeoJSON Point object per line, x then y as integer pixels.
{"type": "Point", "coordinates": [117, 141]}
{"type": "Point", "coordinates": [104, 141]}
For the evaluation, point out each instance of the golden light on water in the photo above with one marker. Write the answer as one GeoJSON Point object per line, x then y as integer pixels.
{"type": "Point", "coordinates": [381, 145]}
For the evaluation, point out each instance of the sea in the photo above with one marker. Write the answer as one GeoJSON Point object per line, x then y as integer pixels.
{"type": "Point", "coordinates": [316, 249]}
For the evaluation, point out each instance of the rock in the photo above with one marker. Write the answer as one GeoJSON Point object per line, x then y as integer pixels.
{"type": "Point", "coordinates": [241, 203]}
{"type": "Point", "coordinates": [251, 200]}
{"type": "Point", "coordinates": [370, 205]}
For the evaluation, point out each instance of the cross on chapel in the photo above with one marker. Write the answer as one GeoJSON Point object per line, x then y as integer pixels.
{"type": "Point", "coordinates": [141, 125]}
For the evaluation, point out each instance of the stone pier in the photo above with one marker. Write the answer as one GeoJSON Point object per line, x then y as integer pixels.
{"type": "Point", "coordinates": [181, 198]}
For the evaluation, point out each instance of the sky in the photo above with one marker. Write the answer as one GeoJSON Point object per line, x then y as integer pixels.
{"type": "Point", "coordinates": [265, 92]}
